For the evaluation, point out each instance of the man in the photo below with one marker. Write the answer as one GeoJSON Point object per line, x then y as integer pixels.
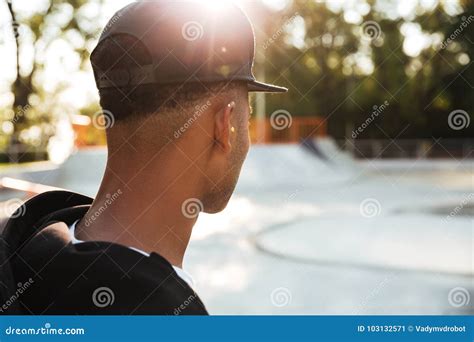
{"type": "Point", "coordinates": [173, 79]}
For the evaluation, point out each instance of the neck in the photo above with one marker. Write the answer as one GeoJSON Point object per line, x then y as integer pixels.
{"type": "Point", "coordinates": [140, 209]}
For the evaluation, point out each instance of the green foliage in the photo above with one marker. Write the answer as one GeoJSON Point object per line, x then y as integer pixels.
{"type": "Point", "coordinates": [32, 107]}
{"type": "Point", "coordinates": [421, 90]}
{"type": "Point", "coordinates": [331, 69]}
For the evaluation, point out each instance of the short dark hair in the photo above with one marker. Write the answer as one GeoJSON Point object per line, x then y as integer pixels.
{"type": "Point", "coordinates": [125, 51]}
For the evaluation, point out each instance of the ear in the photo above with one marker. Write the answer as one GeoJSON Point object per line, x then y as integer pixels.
{"type": "Point", "coordinates": [222, 127]}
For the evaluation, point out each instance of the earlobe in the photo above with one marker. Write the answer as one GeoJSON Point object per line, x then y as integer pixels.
{"type": "Point", "coordinates": [223, 127]}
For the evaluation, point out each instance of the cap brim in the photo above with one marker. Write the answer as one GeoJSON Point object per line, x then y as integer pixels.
{"type": "Point", "coordinates": [264, 87]}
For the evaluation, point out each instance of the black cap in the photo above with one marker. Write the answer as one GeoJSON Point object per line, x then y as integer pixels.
{"type": "Point", "coordinates": [189, 41]}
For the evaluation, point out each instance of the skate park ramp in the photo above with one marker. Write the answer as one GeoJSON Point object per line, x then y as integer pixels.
{"type": "Point", "coordinates": [295, 223]}
{"type": "Point", "coordinates": [385, 243]}
{"type": "Point", "coordinates": [267, 167]}
{"type": "Point", "coordinates": [327, 149]}
{"type": "Point", "coordinates": [83, 171]}
{"type": "Point", "coordinates": [292, 165]}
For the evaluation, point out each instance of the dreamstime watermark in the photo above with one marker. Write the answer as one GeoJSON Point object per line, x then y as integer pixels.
{"type": "Point", "coordinates": [277, 34]}
{"type": "Point", "coordinates": [111, 23]}
{"type": "Point", "coordinates": [371, 30]}
{"type": "Point", "coordinates": [9, 31]}
{"type": "Point", "coordinates": [464, 24]}
{"type": "Point", "coordinates": [377, 110]}
{"type": "Point", "coordinates": [192, 30]}
{"type": "Point", "coordinates": [461, 206]}
{"type": "Point", "coordinates": [281, 119]}
{"type": "Point", "coordinates": [21, 287]}
{"type": "Point", "coordinates": [46, 330]}
{"type": "Point", "coordinates": [14, 208]}
{"type": "Point", "coordinates": [177, 311]}
{"type": "Point", "coordinates": [191, 208]}
{"type": "Point", "coordinates": [370, 207]}
{"type": "Point", "coordinates": [280, 297]}
{"type": "Point", "coordinates": [459, 119]}
{"type": "Point", "coordinates": [103, 119]}
{"type": "Point", "coordinates": [103, 296]}
{"type": "Point", "coordinates": [110, 199]}
{"type": "Point", "coordinates": [291, 196]}
{"type": "Point", "coordinates": [458, 297]}
{"type": "Point", "coordinates": [19, 113]}
{"type": "Point", "coordinates": [376, 291]}
{"type": "Point", "coordinates": [198, 111]}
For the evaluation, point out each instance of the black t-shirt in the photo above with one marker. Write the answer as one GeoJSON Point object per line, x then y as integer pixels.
{"type": "Point", "coordinates": [45, 273]}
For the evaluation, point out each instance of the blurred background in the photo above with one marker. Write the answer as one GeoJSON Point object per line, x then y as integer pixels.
{"type": "Point", "coordinates": [357, 195]}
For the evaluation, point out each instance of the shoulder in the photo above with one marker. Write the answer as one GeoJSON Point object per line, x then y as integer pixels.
{"type": "Point", "coordinates": [103, 278]}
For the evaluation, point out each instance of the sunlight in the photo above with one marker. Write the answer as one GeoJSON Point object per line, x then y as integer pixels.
{"type": "Point", "coordinates": [415, 40]}
{"type": "Point", "coordinates": [217, 5]}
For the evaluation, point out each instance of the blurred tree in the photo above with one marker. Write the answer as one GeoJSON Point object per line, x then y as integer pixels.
{"type": "Point", "coordinates": [341, 74]}
{"type": "Point", "coordinates": [339, 60]}
{"type": "Point", "coordinates": [58, 21]}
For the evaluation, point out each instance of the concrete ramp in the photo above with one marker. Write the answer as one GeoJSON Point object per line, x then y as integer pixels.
{"type": "Point", "coordinates": [330, 151]}
{"type": "Point", "coordinates": [83, 171]}
{"type": "Point", "coordinates": [420, 243]}
{"type": "Point", "coordinates": [288, 166]}
{"type": "Point", "coordinates": [285, 166]}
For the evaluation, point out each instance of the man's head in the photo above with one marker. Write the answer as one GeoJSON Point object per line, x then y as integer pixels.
{"type": "Point", "coordinates": [176, 98]}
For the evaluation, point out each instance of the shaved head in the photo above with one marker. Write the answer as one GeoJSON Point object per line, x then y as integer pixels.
{"type": "Point", "coordinates": [151, 114]}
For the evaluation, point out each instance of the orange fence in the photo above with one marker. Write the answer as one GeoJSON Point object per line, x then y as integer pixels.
{"type": "Point", "coordinates": [88, 135]}
{"type": "Point", "coordinates": [289, 130]}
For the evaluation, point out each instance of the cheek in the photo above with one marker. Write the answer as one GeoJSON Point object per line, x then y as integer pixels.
{"type": "Point", "coordinates": [248, 142]}
{"type": "Point", "coordinates": [245, 139]}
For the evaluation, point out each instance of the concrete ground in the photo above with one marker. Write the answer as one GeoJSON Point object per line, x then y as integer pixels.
{"type": "Point", "coordinates": [327, 235]}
